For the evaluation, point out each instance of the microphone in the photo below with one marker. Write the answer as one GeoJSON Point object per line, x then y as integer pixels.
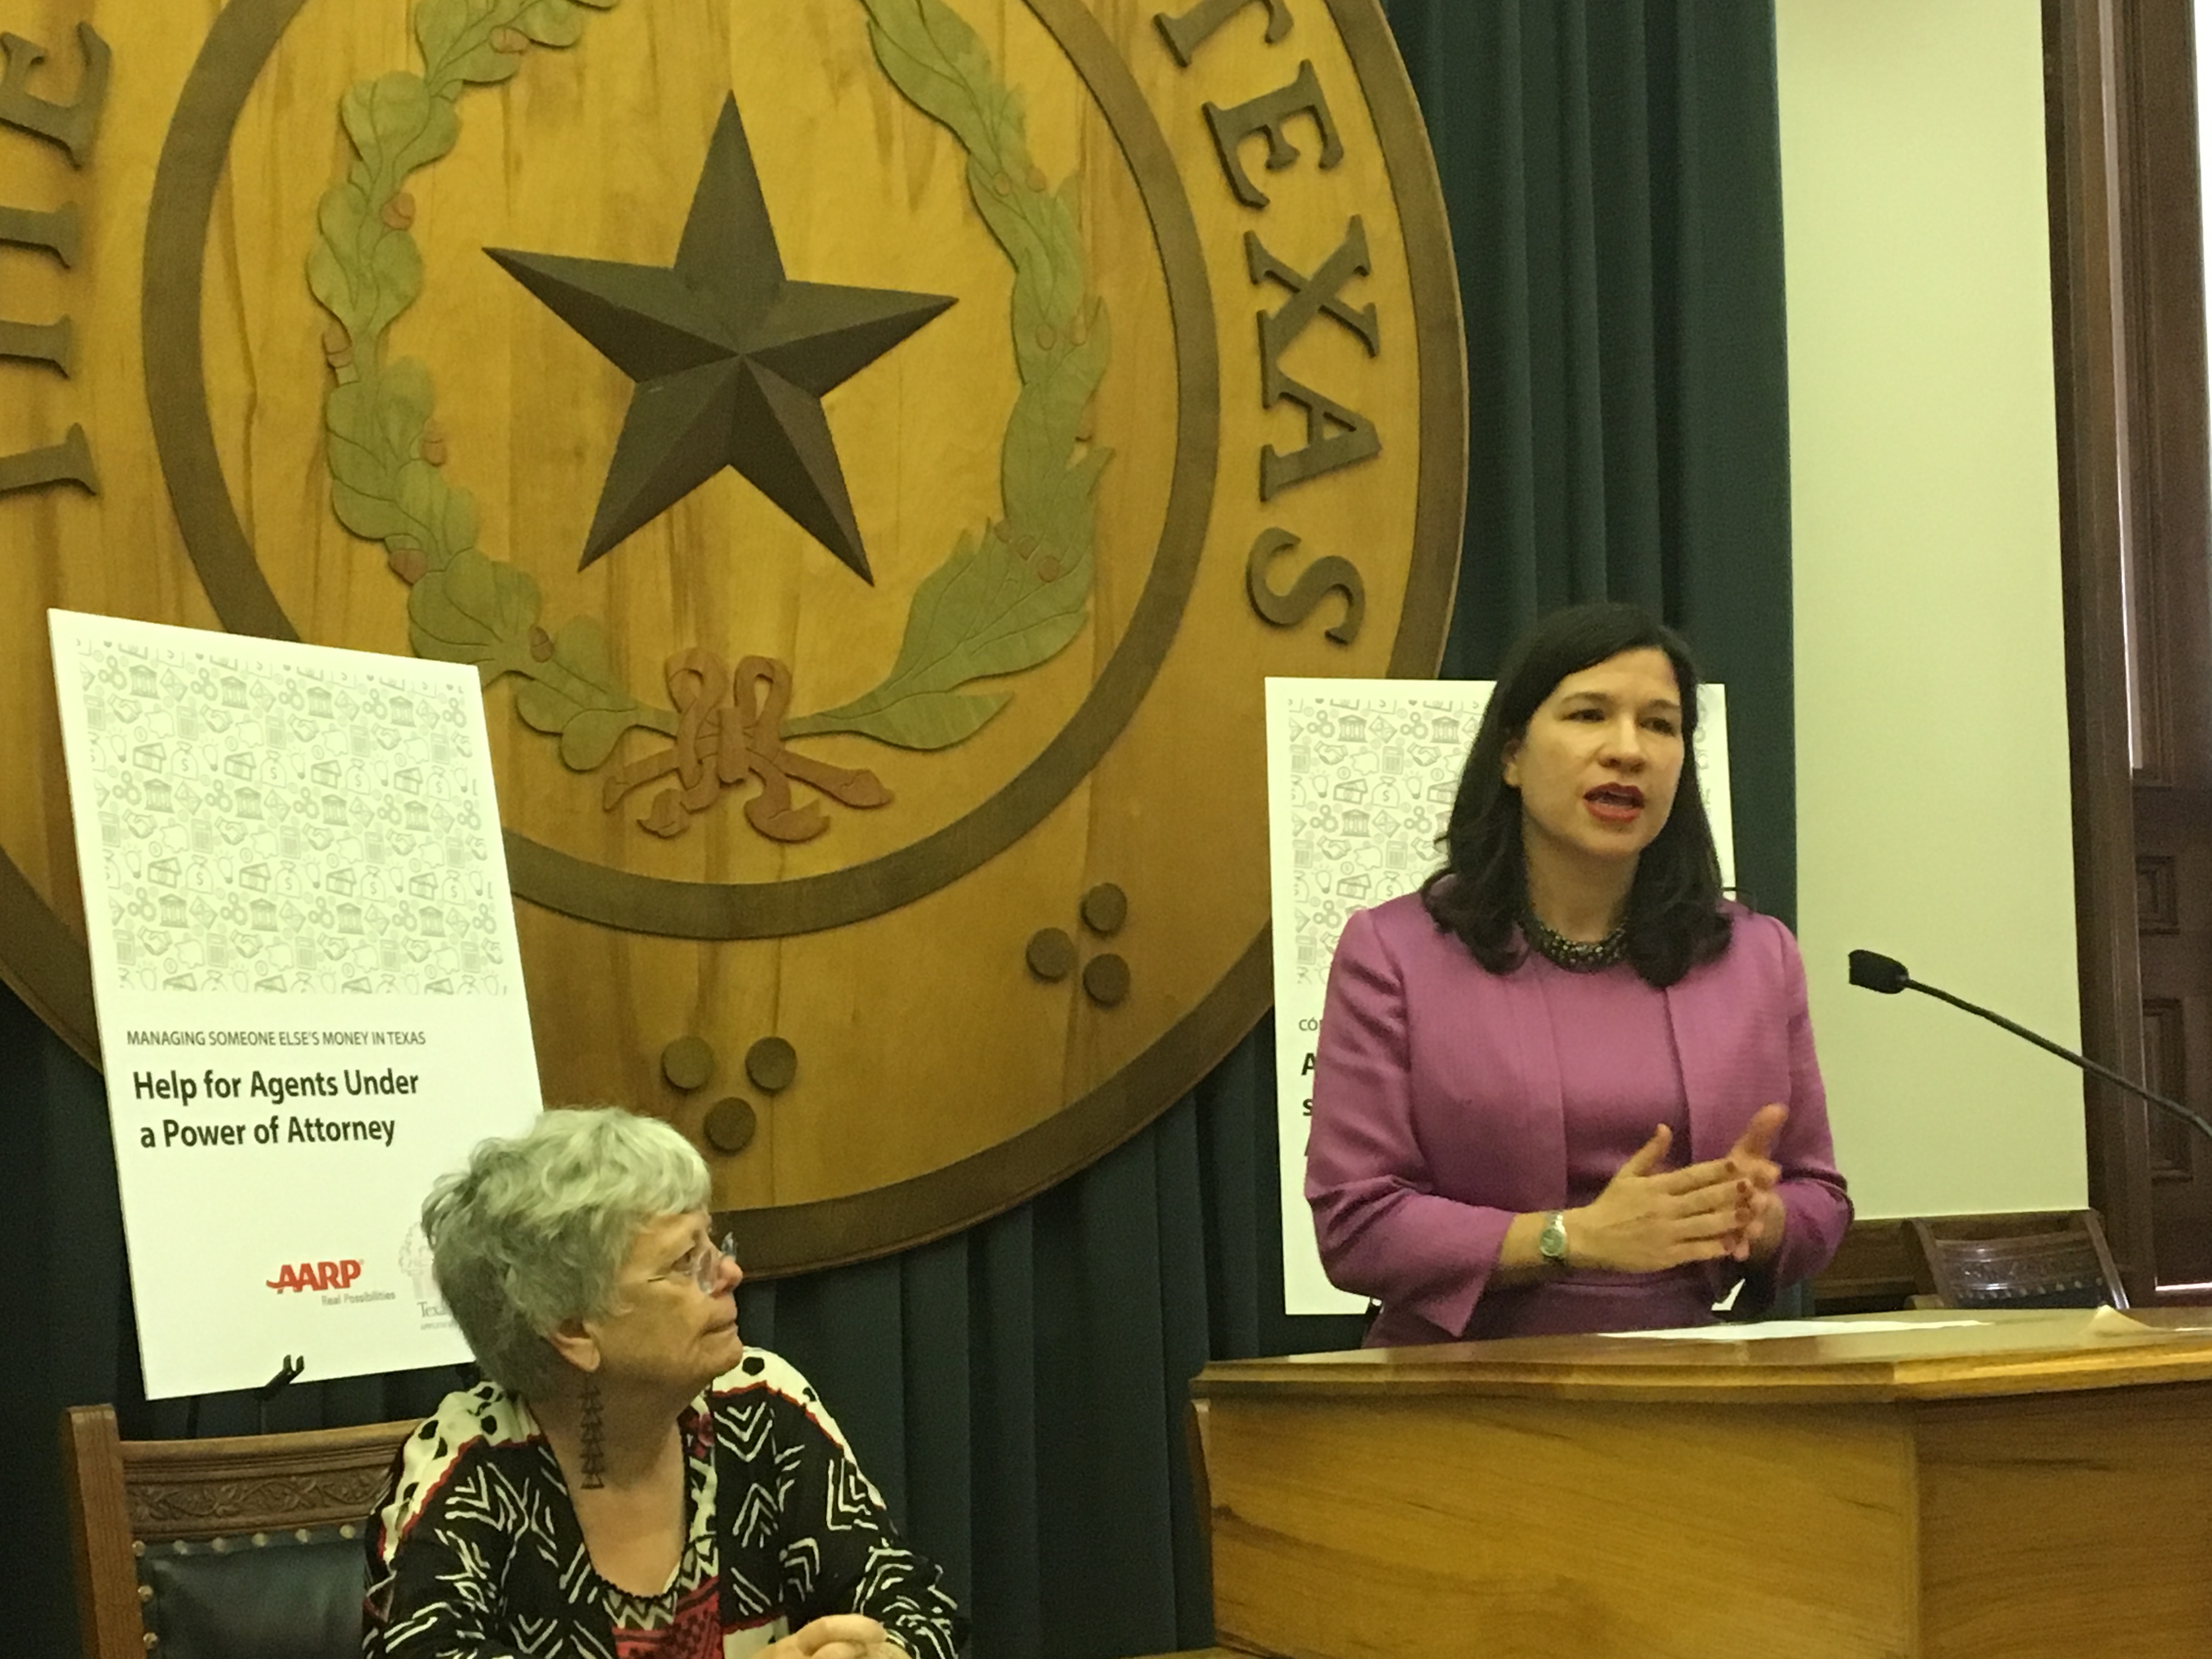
{"type": "Point", "coordinates": [1873, 971]}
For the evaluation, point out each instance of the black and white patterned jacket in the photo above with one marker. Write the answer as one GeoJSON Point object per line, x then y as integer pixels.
{"type": "Point", "coordinates": [475, 1553]}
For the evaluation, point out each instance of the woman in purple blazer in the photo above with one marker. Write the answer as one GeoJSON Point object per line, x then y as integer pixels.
{"type": "Point", "coordinates": [1567, 1086]}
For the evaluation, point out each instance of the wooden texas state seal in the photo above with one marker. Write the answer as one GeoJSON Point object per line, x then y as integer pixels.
{"type": "Point", "coordinates": [872, 450]}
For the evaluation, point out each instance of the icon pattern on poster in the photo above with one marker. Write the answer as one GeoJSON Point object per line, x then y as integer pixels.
{"type": "Point", "coordinates": [1370, 783]}
{"type": "Point", "coordinates": [288, 828]}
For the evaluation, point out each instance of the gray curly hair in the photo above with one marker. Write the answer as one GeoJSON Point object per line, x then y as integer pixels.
{"type": "Point", "coordinates": [535, 1229]}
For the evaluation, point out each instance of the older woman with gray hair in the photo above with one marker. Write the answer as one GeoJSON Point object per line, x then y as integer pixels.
{"type": "Point", "coordinates": [629, 1482]}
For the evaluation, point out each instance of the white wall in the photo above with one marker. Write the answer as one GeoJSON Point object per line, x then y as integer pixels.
{"type": "Point", "coordinates": [1932, 784]}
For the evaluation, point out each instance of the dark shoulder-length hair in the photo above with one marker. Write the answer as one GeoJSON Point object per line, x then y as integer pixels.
{"type": "Point", "coordinates": [1674, 916]}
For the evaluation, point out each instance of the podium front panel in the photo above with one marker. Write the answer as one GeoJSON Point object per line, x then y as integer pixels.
{"type": "Point", "coordinates": [2028, 1486]}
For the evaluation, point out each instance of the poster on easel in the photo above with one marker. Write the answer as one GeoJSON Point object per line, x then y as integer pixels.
{"type": "Point", "coordinates": [309, 989]}
{"type": "Point", "coordinates": [1361, 776]}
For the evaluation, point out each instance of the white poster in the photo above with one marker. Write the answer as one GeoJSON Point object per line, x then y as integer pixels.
{"type": "Point", "coordinates": [310, 996]}
{"type": "Point", "coordinates": [1360, 779]}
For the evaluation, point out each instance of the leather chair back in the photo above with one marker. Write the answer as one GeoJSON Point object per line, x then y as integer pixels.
{"type": "Point", "coordinates": [246, 1547]}
{"type": "Point", "coordinates": [2061, 1262]}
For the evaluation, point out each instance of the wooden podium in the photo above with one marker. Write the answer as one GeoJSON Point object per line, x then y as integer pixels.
{"type": "Point", "coordinates": [2024, 1486]}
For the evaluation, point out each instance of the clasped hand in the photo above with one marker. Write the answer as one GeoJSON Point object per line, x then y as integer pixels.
{"type": "Point", "coordinates": [1649, 1220]}
{"type": "Point", "coordinates": [838, 1635]}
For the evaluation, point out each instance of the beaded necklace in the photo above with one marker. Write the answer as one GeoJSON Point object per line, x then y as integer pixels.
{"type": "Point", "coordinates": [1576, 956]}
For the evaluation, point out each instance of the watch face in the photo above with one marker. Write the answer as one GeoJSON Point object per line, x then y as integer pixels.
{"type": "Point", "coordinates": [1551, 1244]}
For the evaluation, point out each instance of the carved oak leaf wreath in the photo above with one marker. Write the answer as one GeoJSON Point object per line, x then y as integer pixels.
{"type": "Point", "coordinates": [1008, 599]}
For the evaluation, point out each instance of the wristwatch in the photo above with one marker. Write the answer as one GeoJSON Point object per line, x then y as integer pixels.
{"type": "Point", "coordinates": [1551, 1243]}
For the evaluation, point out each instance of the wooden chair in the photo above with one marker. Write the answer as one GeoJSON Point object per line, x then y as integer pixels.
{"type": "Point", "coordinates": [249, 1547]}
{"type": "Point", "coordinates": [2058, 1261]}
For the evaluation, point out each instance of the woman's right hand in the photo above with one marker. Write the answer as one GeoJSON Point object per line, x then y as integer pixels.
{"type": "Point", "coordinates": [1646, 1223]}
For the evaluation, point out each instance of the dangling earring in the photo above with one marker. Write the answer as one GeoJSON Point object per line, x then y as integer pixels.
{"type": "Point", "coordinates": [594, 1450]}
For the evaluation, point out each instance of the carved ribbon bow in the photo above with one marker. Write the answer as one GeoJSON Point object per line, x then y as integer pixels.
{"type": "Point", "coordinates": [721, 739]}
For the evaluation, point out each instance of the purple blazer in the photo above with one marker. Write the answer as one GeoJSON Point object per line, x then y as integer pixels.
{"type": "Point", "coordinates": [1438, 1116]}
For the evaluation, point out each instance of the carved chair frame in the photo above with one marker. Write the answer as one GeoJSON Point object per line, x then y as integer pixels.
{"type": "Point", "coordinates": [124, 1494]}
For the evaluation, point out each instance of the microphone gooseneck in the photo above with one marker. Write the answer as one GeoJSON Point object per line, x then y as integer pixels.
{"type": "Point", "coordinates": [1872, 971]}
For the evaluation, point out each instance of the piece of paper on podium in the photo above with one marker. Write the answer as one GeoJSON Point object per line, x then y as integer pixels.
{"type": "Point", "coordinates": [1774, 1330]}
{"type": "Point", "coordinates": [309, 989]}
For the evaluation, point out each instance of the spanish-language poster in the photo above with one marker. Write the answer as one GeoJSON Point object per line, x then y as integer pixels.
{"type": "Point", "coordinates": [1360, 779]}
{"type": "Point", "coordinates": [310, 996]}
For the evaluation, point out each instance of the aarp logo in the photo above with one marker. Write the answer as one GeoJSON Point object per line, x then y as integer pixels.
{"type": "Point", "coordinates": [315, 1276]}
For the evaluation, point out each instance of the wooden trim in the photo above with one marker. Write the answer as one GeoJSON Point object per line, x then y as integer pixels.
{"type": "Point", "coordinates": [2001, 1352]}
{"type": "Point", "coordinates": [99, 1534]}
{"type": "Point", "coordinates": [2081, 91]}
{"type": "Point", "coordinates": [2160, 222]}
{"type": "Point", "coordinates": [226, 1484]}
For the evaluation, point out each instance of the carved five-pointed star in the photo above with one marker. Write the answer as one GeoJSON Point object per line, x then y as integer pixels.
{"type": "Point", "coordinates": [730, 358]}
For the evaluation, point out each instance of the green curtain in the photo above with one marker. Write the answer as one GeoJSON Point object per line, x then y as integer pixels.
{"type": "Point", "coordinates": [1612, 172]}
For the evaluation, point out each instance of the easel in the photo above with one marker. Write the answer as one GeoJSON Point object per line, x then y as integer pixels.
{"type": "Point", "coordinates": [289, 1372]}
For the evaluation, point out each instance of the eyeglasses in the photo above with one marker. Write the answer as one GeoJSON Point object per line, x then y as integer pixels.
{"type": "Point", "coordinates": [704, 1266]}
